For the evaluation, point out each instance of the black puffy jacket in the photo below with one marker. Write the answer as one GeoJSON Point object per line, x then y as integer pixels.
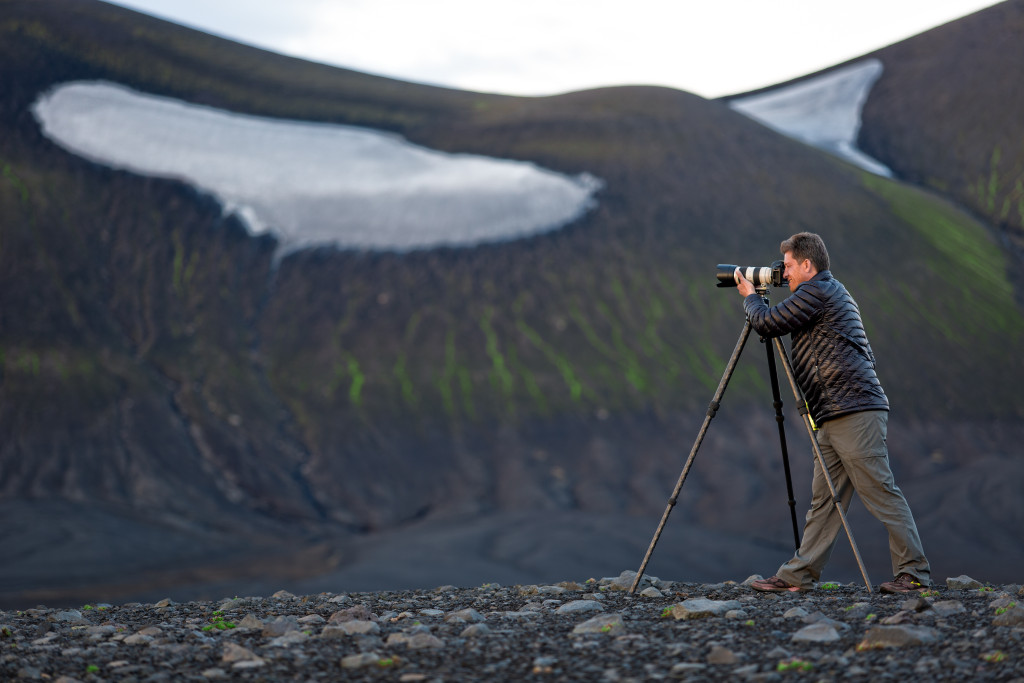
{"type": "Point", "coordinates": [832, 358]}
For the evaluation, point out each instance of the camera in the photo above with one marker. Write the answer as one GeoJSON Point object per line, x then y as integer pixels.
{"type": "Point", "coordinates": [761, 276]}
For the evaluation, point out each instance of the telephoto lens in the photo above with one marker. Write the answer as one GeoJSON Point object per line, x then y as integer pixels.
{"type": "Point", "coordinates": [760, 276]}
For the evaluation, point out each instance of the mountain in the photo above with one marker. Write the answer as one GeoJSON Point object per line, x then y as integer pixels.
{"type": "Point", "coordinates": [180, 405]}
{"type": "Point", "coordinates": [946, 115]}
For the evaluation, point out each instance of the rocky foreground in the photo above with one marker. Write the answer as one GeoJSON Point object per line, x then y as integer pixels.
{"type": "Point", "coordinates": [589, 631]}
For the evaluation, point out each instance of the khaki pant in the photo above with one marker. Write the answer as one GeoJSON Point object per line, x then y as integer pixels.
{"type": "Point", "coordinates": [855, 453]}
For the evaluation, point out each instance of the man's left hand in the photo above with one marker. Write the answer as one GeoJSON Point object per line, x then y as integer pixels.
{"type": "Point", "coordinates": [745, 286]}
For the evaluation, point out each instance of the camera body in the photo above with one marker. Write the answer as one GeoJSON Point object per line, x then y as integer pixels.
{"type": "Point", "coordinates": [761, 276]}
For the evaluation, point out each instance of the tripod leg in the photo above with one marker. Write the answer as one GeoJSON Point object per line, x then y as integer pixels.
{"type": "Point", "coordinates": [773, 374]}
{"type": "Point", "coordinates": [788, 367]}
{"type": "Point", "coordinates": [712, 410]}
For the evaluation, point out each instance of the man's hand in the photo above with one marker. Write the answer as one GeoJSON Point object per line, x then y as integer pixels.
{"type": "Point", "coordinates": [745, 286]}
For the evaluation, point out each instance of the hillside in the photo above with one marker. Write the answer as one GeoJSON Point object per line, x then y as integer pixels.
{"type": "Point", "coordinates": [946, 115]}
{"type": "Point", "coordinates": [162, 375]}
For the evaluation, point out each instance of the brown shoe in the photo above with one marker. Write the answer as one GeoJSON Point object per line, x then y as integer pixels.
{"type": "Point", "coordinates": [904, 583]}
{"type": "Point", "coordinates": [775, 585]}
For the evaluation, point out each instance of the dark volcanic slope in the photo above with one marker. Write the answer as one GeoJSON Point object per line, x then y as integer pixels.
{"type": "Point", "coordinates": [157, 365]}
{"type": "Point", "coordinates": [946, 113]}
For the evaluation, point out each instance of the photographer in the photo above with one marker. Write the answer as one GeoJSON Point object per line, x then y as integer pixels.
{"type": "Point", "coordinates": [835, 368]}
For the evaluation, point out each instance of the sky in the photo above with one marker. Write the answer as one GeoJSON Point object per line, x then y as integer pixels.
{"type": "Point", "coordinates": [543, 47]}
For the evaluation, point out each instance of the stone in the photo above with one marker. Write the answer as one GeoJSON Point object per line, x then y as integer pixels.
{"type": "Point", "coordinates": [234, 652]}
{"type": "Point", "coordinates": [700, 608]}
{"type": "Point", "coordinates": [684, 669]}
{"type": "Point", "coordinates": [816, 633]}
{"type": "Point", "coordinates": [736, 614]}
{"type": "Point", "coordinates": [610, 624]}
{"type": "Point", "coordinates": [946, 608]}
{"type": "Point", "coordinates": [313, 619]}
{"type": "Point", "coordinates": [280, 626]}
{"type": "Point", "coordinates": [361, 660]}
{"type": "Point", "coordinates": [795, 613]}
{"type": "Point", "coordinates": [283, 595]}
{"type": "Point", "coordinates": [917, 604]}
{"type": "Point", "coordinates": [721, 655]}
{"type": "Point", "coordinates": [1013, 616]}
{"type": "Point", "coordinates": [652, 592]}
{"type": "Point", "coordinates": [422, 641]}
{"type": "Point", "coordinates": [349, 628]}
{"type": "Point", "coordinates": [578, 606]}
{"type": "Point", "coordinates": [288, 639]}
{"type": "Point", "coordinates": [962, 583]}
{"type": "Point", "coordinates": [250, 621]}
{"type": "Point", "coordinates": [469, 615]}
{"type": "Point", "coordinates": [474, 630]}
{"type": "Point", "coordinates": [340, 600]}
{"type": "Point", "coordinates": [751, 579]}
{"type": "Point", "coordinates": [69, 616]}
{"type": "Point", "coordinates": [138, 639]}
{"type": "Point", "coordinates": [898, 636]}
{"type": "Point", "coordinates": [357, 613]}
{"type": "Point", "coordinates": [166, 602]}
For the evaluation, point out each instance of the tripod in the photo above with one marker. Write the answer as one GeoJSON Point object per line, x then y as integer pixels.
{"type": "Point", "coordinates": [716, 403]}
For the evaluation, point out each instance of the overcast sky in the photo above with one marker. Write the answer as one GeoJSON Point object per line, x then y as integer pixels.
{"type": "Point", "coordinates": [543, 47]}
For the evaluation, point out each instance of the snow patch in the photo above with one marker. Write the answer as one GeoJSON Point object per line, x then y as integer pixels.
{"type": "Point", "coordinates": [824, 112]}
{"type": "Point", "coordinates": [312, 184]}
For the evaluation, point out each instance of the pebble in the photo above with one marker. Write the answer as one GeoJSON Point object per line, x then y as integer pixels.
{"type": "Point", "coordinates": [488, 633]}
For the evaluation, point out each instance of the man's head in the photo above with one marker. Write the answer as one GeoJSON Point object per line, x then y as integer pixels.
{"type": "Point", "coordinates": [804, 255]}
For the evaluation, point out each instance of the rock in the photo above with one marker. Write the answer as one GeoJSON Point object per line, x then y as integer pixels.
{"type": "Point", "coordinates": [280, 626]}
{"type": "Point", "coordinates": [283, 595]}
{"type": "Point", "coordinates": [700, 608]}
{"type": "Point", "coordinates": [349, 628]}
{"type": "Point", "coordinates": [652, 592]}
{"type": "Point", "coordinates": [236, 653]}
{"type": "Point", "coordinates": [900, 617]}
{"type": "Point", "coordinates": [736, 614]}
{"type": "Point", "coordinates": [751, 579]}
{"type": "Point", "coordinates": [795, 613]}
{"type": "Point", "coordinates": [340, 600]}
{"type": "Point", "coordinates": [432, 612]}
{"type": "Point", "coordinates": [898, 636]}
{"type": "Point", "coordinates": [1013, 616]}
{"type": "Point", "coordinates": [685, 669]}
{"type": "Point", "coordinates": [166, 602]}
{"type": "Point", "coordinates": [250, 622]}
{"type": "Point", "coordinates": [721, 655]}
{"type": "Point", "coordinates": [947, 608]}
{"type": "Point", "coordinates": [917, 604]}
{"type": "Point", "coordinates": [610, 624]}
{"type": "Point", "coordinates": [137, 639]}
{"type": "Point", "coordinates": [624, 581]}
{"type": "Point", "coordinates": [357, 613]}
{"type": "Point", "coordinates": [69, 616]}
{"type": "Point", "coordinates": [469, 615]}
{"type": "Point", "coordinates": [288, 639]}
{"type": "Point", "coordinates": [816, 633]}
{"type": "Point", "coordinates": [577, 606]}
{"type": "Point", "coordinates": [361, 660]}
{"type": "Point", "coordinates": [475, 630]}
{"type": "Point", "coordinates": [962, 583]}
{"type": "Point", "coordinates": [819, 618]}
{"type": "Point", "coordinates": [422, 641]}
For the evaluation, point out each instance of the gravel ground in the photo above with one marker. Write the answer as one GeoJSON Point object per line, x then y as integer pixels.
{"type": "Point", "coordinates": [586, 631]}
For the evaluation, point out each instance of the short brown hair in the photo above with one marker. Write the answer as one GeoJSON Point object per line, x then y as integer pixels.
{"type": "Point", "coordinates": [807, 245]}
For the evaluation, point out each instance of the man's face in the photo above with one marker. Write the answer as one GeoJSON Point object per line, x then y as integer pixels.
{"type": "Point", "coordinates": [797, 273]}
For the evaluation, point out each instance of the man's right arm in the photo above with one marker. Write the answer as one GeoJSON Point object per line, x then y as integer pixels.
{"type": "Point", "coordinates": [795, 312]}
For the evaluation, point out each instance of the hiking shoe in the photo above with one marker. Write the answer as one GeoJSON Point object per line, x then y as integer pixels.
{"type": "Point", "coordinates": [904, 583]}
{"type": "Point", "coordinates": [775, 585]}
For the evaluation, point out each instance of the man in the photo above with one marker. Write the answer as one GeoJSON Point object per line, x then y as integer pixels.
{"type": "Point", "coordinates": [835, 368]}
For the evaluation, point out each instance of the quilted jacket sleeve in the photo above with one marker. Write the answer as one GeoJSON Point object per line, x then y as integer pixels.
{"type": "Point", "coordinates": [799, 310]}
